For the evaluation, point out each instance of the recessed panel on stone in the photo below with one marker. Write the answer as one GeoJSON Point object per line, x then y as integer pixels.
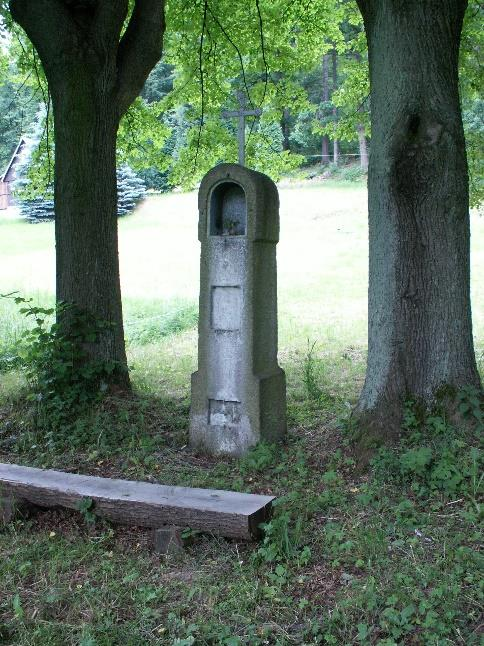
{"type": "Point", "coordinates": [226, 308]}
{"type": "Point", "coordinates": [223, 413]}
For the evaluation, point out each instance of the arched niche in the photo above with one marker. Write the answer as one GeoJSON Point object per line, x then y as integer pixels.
{"type": "Point", "coordinates": [228, 210]}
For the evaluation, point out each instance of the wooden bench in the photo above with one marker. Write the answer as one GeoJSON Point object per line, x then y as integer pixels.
{"type": "Point", "coordinates": [224, 513]}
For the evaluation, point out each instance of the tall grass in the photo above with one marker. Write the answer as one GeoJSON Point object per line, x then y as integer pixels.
{"type": "Point", "coordinates": [322, 278]}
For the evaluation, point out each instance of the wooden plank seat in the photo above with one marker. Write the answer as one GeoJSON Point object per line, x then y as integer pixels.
{"type": "Point", "coordinates": [225, 513]}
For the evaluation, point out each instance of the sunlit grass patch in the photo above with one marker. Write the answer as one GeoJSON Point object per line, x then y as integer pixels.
{"type": "Point", "coordinates": [149, 322]}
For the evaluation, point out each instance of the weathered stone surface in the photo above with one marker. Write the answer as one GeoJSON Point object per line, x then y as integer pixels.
{"type": "Point", "coordinates": [238, 392]}
{"type": "Point", "coordinates": [226, 308]}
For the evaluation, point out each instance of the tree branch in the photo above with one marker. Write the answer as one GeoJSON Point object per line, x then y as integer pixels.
{"type": "Point", "coordinates": [40, 17]}
{"type": "Point", "coordinates": [139, 50]}
{"type": "Point", "coordinates": [108, 19]}
{"type": "Point", "coordinates": [56, 27]}
{"type": "Point", "coordinates": [362, 5]}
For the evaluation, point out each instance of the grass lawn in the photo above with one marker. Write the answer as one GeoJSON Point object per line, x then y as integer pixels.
{"type": "Point", "coordinates": [389, 556]}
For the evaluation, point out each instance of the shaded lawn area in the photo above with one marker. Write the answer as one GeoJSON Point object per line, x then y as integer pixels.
{"type": "Point", "coordinates": [348, 558]}
{"type": "Point", "coordinates": [387, 556]}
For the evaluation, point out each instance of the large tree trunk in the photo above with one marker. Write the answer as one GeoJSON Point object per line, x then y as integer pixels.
{"type": "Point", "coordinates": [87, 268]}
{"type": "Point", "coordinates": [325, 141]}
{"type": "Point", "coordinates": [285, 129]}
{"type": "Point", "coordinates": [334, 56]}
{"type": "Point", "coordinates": [94, 74]}
{"type": "Point", "coordinates": [420, 329]}
{"type": "Point", "coordinates": [360, 129]}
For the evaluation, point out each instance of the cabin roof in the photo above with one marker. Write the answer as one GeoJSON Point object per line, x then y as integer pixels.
{"type": "Point", "coordinates": [13, 158]}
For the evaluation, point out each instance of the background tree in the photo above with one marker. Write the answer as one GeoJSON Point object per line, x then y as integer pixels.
{"type": "Point", "coordinates": [258, 48]}
{"type": "Point", "coordinates": [278, 66]}
{"type": "Point", "coordinates": [96, 56]}
{"type": "Point", "coordinates": [471, 82]}
{"type": "Point", "coordinates": [420, 329]}
{"type": "Point", "coordinates": [325, 98]}
{"type": "Point", "coordinates": [131, 189]}
{"type": "Point", "coordinates": [34, 193]}
{"type": "Point", "coordinates": [17, 109]}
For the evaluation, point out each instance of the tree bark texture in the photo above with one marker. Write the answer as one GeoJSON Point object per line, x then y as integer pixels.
{"type": "Point", "coordinates": [334, 57]}
{"type": "Point", "coordinates": [94, 74]}
{"type": "Point", "coordinates": [420, 327]}
{"type": "Point", "coordinates": [325, 141]}
{"type": "Point", "coordinates": [360, 128]}
{"type": "Point", "coordinates": [286, 113]}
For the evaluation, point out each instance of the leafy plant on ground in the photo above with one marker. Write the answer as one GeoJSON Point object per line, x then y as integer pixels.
{"type": "Point", "coordinates": [435, 456]}
{"type": "Point", "coordinates": [86, 508]}
{"type": "Point", "coordinates": [62, 379]}
{"type": "Point", "coordinates": [260, 458]}
{"type": "Point", "coordinates": [353, 173]}
{"type": "Point", "coordinates": [471, 406]}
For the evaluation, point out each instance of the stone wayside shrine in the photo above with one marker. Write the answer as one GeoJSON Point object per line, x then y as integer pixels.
{"type": "Point", "coordinates": [239, 391]}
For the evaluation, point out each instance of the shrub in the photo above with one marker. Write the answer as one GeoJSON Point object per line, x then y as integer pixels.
{"type": "Point", "coordinates": [37, 210]}
{"type": "Point", "coordinates": [352, 173]}
{"type": "Point", "coordinates": [61, 377]}
{"type": "Point", "coordinates": [131, 189]}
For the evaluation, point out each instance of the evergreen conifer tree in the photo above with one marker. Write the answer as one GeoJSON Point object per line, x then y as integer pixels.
{"type": "Point", "coordinates": [39, 207]}
{"type": "Point", "coordinates": [131, 189]}
{"type": "Point", "coordinates": [35, 205]}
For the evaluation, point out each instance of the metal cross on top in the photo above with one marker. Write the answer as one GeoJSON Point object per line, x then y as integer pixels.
{"type": "Point", "coordinates": [241, 113]}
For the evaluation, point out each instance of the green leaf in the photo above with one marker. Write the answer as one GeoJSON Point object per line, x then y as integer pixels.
{"type": "Point", "coordinates": [18, 611]}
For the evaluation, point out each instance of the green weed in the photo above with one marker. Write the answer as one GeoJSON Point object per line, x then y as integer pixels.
{"type": "Point", "coordinates": [434, 456]}
{"type": "Point", "coordinates": [310, 374]}
{"type": "Point", "coordinates": [62, 380]}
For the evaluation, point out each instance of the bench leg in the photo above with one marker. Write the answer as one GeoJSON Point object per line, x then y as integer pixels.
{"type": "Point", "coordinates": [12, 508]}
{"type": "Point", "coordinates": [168, 540]}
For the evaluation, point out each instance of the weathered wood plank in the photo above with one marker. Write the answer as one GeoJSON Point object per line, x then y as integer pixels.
{"type": "Point", "coordinates": [225, 513]}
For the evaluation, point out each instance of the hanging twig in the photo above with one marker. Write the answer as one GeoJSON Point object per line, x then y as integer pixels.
{"type": "Point", "coordinates": [46, 100]}
{"type": "Point", "coordinates": [262, 44]}
{"type": "Point", "coordinates": [266, 67]}
{"type": "Point", "coordinates": [202, 86]}
{"type": "Point", "coordinates": [239, 55]}
{"type": "Point", "coordinates": [18, 90]}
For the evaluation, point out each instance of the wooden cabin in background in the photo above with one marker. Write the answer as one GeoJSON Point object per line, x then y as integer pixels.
{"type": "Point", "coordinates": [6, 198]}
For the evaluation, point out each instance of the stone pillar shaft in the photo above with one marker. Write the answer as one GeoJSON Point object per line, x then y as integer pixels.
{"type": "Point", "coordinates": [238, 392]}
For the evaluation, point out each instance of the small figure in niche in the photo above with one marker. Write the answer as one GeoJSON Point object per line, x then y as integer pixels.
{"type": "Point", "coordinates": [228, 210]}
{"type": "Point", "coordinates": [233, 212]}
